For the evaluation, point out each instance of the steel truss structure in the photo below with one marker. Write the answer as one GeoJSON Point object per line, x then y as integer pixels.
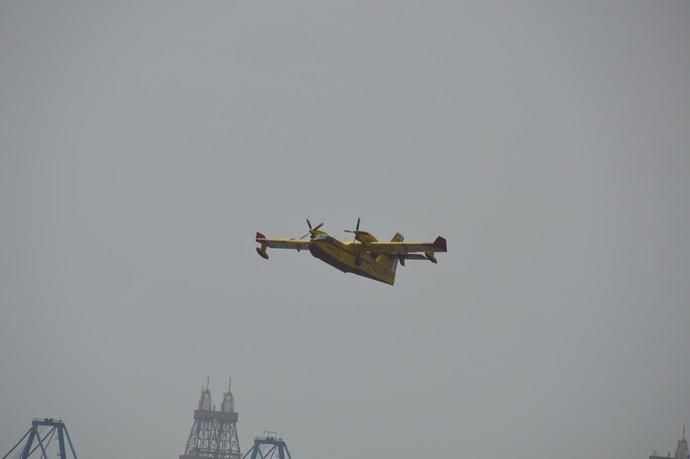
{"type": "Point", "coordinates": [40, 436]}
{"type": "Point", "coordinates": [268, 447]}
{"type": "Point", "coordinates": [214, 433]}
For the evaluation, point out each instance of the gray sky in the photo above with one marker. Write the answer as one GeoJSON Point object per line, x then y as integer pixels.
{"type": "Point", "coordinates": [143, 144]}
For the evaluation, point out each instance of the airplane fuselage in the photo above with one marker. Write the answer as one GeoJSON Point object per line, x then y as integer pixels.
{"type": "Point", "coordinates": [349, 259]}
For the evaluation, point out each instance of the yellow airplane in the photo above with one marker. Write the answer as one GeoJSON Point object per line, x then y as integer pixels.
{"type": "Point", "coordinates": [364, 256]}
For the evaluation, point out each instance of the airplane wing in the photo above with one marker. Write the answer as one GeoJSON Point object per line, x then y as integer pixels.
{"type": "Point", "coordinates": [294, 244]}
{"type": "Point", "coordinates": [439, 245]}
{"type": "Point", "coordinates": [410, 256]}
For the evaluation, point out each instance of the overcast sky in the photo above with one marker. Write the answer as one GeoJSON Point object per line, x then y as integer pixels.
{"type": "Point", "coordinates": [142, 144]}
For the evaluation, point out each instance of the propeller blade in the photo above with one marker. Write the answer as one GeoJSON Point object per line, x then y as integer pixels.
{"type": "Point", "coordinates": [312, 229]}
{"type": "Point", "coordinates": [354, 231]}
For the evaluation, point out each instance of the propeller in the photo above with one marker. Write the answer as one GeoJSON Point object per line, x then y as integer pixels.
{"type": "Point", "coordinates": [358, 257]}
{"type": "Point", "coordinates": [355, 231]}
{"type": "Point", "coordinates": [311, 230]}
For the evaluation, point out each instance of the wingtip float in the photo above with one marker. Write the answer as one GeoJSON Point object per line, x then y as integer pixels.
{"type": "Point", "coordinates": [364, 255]}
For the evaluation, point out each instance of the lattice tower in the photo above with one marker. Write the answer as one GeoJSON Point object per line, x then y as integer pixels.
{"type": "Point", "coordinates": [214, 433]}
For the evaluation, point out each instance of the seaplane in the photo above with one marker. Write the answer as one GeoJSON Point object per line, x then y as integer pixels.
{"type": "Point", "coordinates": [364, 255]}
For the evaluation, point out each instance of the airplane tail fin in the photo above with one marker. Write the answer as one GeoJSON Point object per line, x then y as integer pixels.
{"type": "Point", "coordinates": [388, 261]}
